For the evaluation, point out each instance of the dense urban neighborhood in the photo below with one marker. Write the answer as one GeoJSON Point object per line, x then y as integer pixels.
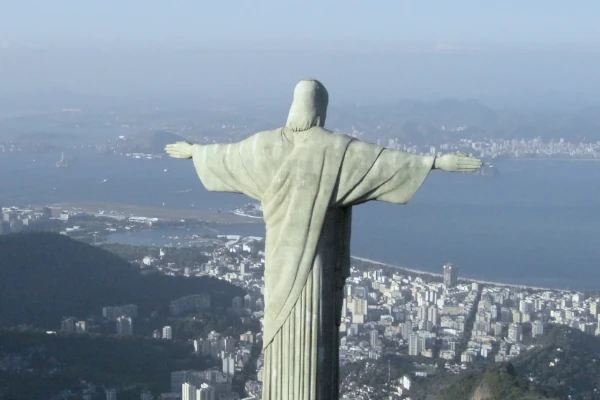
{"type": "Point", "coordinates": [437, 321]}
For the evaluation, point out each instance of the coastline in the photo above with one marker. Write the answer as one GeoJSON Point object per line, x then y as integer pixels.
{"type": "Point", "coordinates": [230, 218]}
{"type": "Point", "coordinates": [164, 213]}
{"type": "Point", "coordinates": [469, 280]}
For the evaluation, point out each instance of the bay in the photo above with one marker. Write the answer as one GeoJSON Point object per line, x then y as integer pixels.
{"type": "Point", "coordinates": [537, 223]}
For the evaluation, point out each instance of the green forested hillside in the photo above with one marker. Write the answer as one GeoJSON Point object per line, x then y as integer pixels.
{"type": "Point", "coordinates": [46, 276]}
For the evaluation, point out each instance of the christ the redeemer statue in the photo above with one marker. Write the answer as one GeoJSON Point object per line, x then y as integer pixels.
{"type": "Point", "coordinates": [307, 179]}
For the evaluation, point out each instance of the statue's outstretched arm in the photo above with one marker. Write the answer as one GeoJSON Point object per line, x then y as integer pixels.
{"type": "Point", "coordinates": [227, 167]}
{"type": "Point", "coordinates": [180, 150]}
{"type": "Point", "coordinates": [457, 163]}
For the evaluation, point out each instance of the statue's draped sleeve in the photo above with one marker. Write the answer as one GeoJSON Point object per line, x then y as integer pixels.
{"type": "Point", "coordinates": [372, 172]}
{"type": "Point", "coordinates": [244, 167]}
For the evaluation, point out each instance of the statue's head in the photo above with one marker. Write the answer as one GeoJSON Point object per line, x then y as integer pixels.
{"type": "Point", "coordinates": [309, 108]}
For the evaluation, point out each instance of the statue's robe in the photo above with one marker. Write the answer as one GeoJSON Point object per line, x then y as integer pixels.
{"type": "Point", "coordinates": [307, 182]}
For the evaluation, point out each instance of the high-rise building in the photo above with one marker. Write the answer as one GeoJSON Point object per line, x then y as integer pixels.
{"type": "Point", "coordinates": [526, 306]}
{"type": "Point", "coordinates": [537, 328]}
{"type": "Point", "coordinates": [81, 327]}
{"type": "Point", "coordinates": [422, 313]}
{"type": "Point", "coordinates": [188, 392]}
{"type": "Point", "coordinates": [228, 344]}
{"type": "Point", "coordinates": [374, 338]}
{"type": "Point", "coordinates": [498, 328]}
{"type": "Point", "coordinates": [248, 302]}
{"type": "Point", "coordinates": [450, 275]}
{"type": "Point", "coordinates": [229, 366]}
{"type": "Point", "coordinates": [517, 317]}
{"type": "Point", "coordinates": [422, 344]}
{"type": "Point", "coordinates": [68, 325]}
{"type": "Point", "coordinates": [594, 308]}
{"type": "Point", "coordinates": [167, 332]}
{"type": "Point", "coordinates": [515, 332]}
{"type": "Point", "coordinates": [111, 394]}
{"type": "Point", "coordinates": [407, 330]}
{"type": "Point", "coordinates": [432, 315]}
{"type": "Point", "coordinates": [414, 344]}
{"type": "Point", "coordinates": [124, 326]}
{"type": "Point", "coordinates": [247, 337]}
{"type": "Point", "coordinates": [360, 306]}
{"type": "Point", "coordinates": [206, 392]}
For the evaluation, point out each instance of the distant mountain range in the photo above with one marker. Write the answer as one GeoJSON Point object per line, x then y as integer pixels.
{"type": "Point", "coordinates": [410, 121]}
{"type": "Point", "coordinates": [445, 120]}
{"type": "Point", "coordinates": [46, 276]}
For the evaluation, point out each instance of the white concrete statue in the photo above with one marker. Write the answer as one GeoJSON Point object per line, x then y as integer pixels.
{"type": "Point", "coordinates": [307, 179]}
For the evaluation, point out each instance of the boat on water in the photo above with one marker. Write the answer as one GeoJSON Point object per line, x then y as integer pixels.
{"type": "Point", "coordinates": [62, 163]}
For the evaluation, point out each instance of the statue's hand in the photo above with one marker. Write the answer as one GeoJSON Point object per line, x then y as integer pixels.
{"type": "Point", "coordinates": [457, 163]}
{"type": "Point", "coordinates": [179, 150]}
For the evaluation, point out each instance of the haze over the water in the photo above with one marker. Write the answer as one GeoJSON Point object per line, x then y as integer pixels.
{"type": "Point", "coordinates": [518, 53]}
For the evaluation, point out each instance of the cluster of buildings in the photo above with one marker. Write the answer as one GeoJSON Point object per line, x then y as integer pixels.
{"type": "Point", "coordinates": [461, 322]}
{"type": "Point", "coordinates": [505, 314]}
{"type": "Point", "coordinates": [385, 310]}
{"type": "Point", "coordinates": [65, 221]}
{"type": "Point", "coordinates": [213, 384]}
{"type": "Point", "coordinates": [202, 385]}
{"type": "Point", "coordinates": [16, 219]}
{"type": "Point", "coordinates": [532, 148]}
{"type": "Point", "coordinates": [235, 354]}
{"type": "Point", "coordinates": [123, 318]}
{"type": "Point", "coordinates": [390, 310]}
{"type": "Point", "coordinates": [509, 148]}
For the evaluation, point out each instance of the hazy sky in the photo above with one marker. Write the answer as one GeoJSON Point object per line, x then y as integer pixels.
{"type": "Point", "coordinates": [200, 22]}
{"type": "Point", "coordinates": [522, 49]}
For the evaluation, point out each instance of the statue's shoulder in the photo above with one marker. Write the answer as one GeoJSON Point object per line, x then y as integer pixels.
{"type": "Point", "coordinates": [331, 137]}
{"type": "Point", "coordinates": [272, 143]}
{"type": "Point", "coordinates": [268, 138]}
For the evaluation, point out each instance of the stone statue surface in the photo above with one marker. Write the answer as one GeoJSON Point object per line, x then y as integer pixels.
{"type": "Point", "coordinates": [307, 179]}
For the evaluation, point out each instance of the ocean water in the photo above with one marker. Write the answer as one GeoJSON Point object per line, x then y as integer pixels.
{"type": "Point", "coordinates": [537, 223]}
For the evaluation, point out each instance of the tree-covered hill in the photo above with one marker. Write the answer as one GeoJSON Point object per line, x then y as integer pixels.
{"type": "Point", "coordinates": [499, 382]}
{"type": "Point", "coordinates": [46, 276]}
{"type": "Point", "coordinates": [35, 365]}
{"type": "Point", "coordinates": [566, 361]}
